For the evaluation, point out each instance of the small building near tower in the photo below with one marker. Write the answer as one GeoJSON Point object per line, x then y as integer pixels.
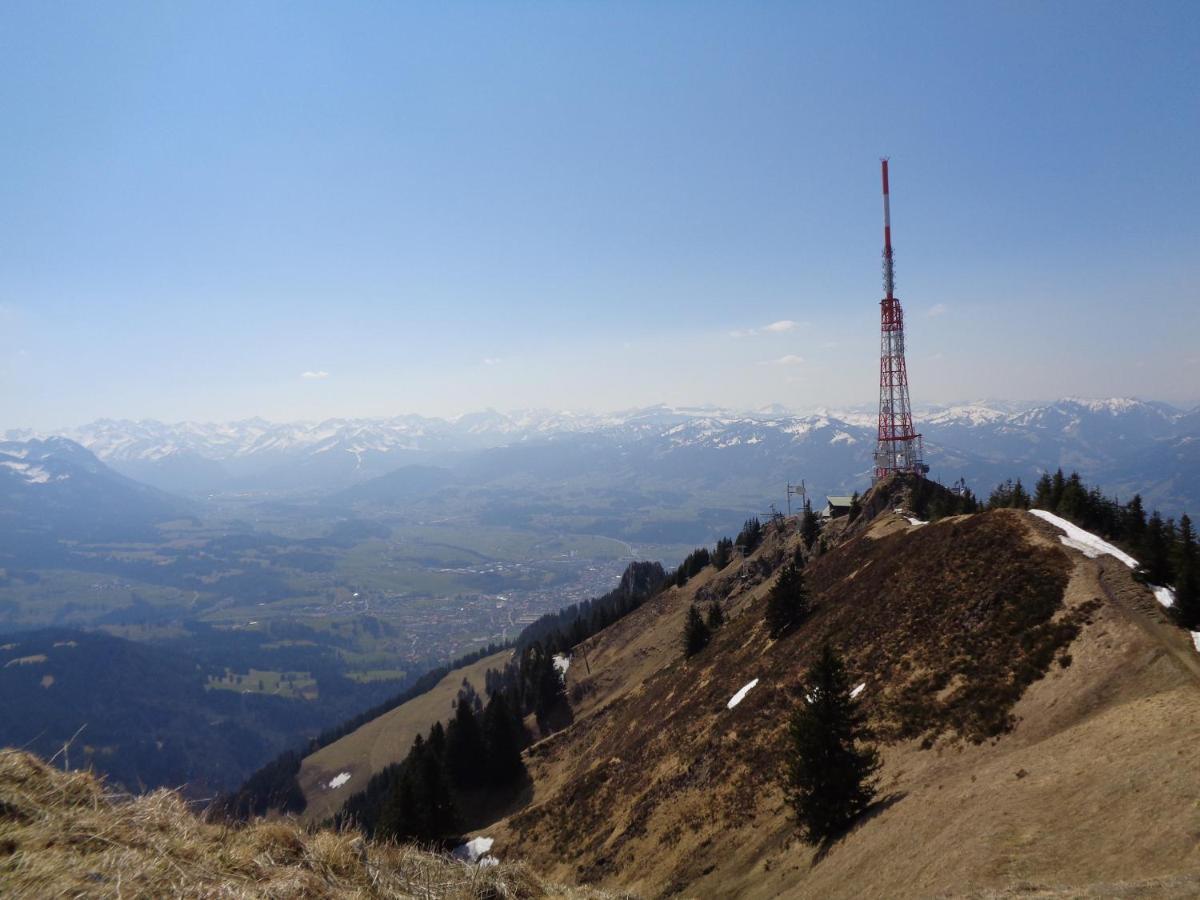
{"type": "Point", "coordinates": [836, 507]}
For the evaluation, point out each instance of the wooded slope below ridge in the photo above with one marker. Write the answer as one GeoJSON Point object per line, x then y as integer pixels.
{"type": "Point", "coordinates": [1035, 709]}
{"type": "Point", "coordinates": [383, 741]}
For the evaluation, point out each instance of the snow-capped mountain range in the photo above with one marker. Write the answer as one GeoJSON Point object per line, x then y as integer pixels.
{"type": "Point", "coordinates": [1124, 444]}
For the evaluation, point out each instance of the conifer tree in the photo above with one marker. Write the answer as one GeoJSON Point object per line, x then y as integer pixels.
{"type": "Point", "coordinates": [502, 733]}
{"type": "Point", "coordinates": [1020, 499]}
{"type": "Point", "coordinates": [750, 535]}
{"type": "Point", "coordinates": [716, 616]}
{"type": "Point", "coordinates": [1133, 523]}
{"type": "Point", "coordinates": [395, 818]}
{"type": "Point", "coordinates": [1058, 484]}
{"type": "Point", "coordinates": [1187, 577]}
{"type": "Point", "coordinates": [695, 633]}
{"type": "Point", "coordinates": [787, 604]}
{"type": "Point", "coordinates": [464, 745]}
{"type": "Point", "coordinates": [1156, 553]}
{"type": "Point", "coordinates": [549, 691]}
{"type": "Point", "coordinates": [809, 526]}
{"type": "Point", "coordinates": [435, 815]}
{"type": "Point", "coordinates": [1043, 494]}
{"type": "Point", "coordinates": [830, 773]}
{"type": "Point", "coordinates": [1073, 502]}
{"type": "Point", "coordinates": [723, 553]}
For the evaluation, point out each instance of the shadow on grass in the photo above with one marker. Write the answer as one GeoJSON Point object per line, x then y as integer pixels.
{"type": "Point", "coordinates": [867, 815]}
{"type": "Point", "coordinates": [483, 807]}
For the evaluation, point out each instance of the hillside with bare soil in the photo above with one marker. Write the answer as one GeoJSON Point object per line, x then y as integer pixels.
{"type": "Point", "coordinates": [1037, 718]}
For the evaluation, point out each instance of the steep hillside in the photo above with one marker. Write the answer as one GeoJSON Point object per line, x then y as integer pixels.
{"type": "Point", "coordinates": [55, 489]}
{"type": "Point", "coordinates": [1036, 714]}
{"type": "Point", "coordinates": [372, 747]}
{"type": "Point", "coordinates": [62, 834]}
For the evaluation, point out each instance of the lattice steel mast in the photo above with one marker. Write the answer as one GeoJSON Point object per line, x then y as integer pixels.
{"type": "Point", "coordinates": [898, 448]}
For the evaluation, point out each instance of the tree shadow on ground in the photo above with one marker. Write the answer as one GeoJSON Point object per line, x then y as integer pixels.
{"type": "Point", "coordinates": [485, 806]}
{"type": "Point", "coordinates": [867, 815]}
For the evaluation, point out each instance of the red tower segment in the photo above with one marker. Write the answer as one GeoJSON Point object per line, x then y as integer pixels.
{"type": "Point", "coordinates": [898, 448]}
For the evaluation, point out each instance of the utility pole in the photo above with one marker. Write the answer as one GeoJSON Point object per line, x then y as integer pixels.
{"type": "Point", "coordinates": [797, 490]}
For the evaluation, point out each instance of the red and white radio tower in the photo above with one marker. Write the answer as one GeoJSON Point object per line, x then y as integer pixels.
{"type": "Point", "coordinates": [899, 448]}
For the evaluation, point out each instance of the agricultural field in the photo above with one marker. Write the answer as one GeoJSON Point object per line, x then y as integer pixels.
{"type": "Point", "coordinates": [295, 685]}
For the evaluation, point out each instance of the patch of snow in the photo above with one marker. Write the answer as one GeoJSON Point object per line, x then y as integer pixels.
{"type": "Point", "coordinates": [843, 437]}
{"type": "Point", "coordinates": [476, 850]}
{"type": "Point", "coordinates": [338, 780]}
{"type": "Point", "coordinates": [740, 695]}
{"type": "Point", "coordinates": [1164, 595]}
{"type": "Point", "coordinates": [562, 662]}
{"type": "Point", "coordinates": [912, 520]}
{"type": "Point", "coordinates": [31, 473]}
{"type": "Point", "coordinates": [1084, 541]}
{"type": "Point", "coordinates": [858, 690]}
{"type": "Point", "coordinates": [1196, 640]}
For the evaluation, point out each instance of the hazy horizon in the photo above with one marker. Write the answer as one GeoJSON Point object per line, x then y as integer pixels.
{"type": "Point", "coordinates": [920, 410]}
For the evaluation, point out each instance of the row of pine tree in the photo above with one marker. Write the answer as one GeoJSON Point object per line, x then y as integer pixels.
{"type": "Point", "coordinates": [1166, 551]}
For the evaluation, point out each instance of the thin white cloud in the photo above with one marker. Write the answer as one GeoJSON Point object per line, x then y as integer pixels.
{"type": "Point", "coordinates": [491, 360]}
{"type": "Point", "coordinates": [781, 327]}
{"type": "Point", "coordinates": [317, 374]}
{"type": "Point", "coordinates": [938, 309]}
{"type": "Point", "coordinates": [790, 359]}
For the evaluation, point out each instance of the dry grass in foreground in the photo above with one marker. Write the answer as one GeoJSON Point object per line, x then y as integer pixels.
{"type": "Point", "coordinates": [63, 834]}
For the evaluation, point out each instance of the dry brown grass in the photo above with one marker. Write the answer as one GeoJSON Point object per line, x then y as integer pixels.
{"type": "Point", "coordinates": [64, 834]}
{"type": "Point", "coordinates": [1080, 784]}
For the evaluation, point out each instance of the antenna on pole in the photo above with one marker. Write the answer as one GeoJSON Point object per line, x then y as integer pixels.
{"type": "Point", "coordinates": [898, 447]}
{"type": "Point", "coordinates": [797, 490]}
{"type": "Point", "coordinates": [889, 276]}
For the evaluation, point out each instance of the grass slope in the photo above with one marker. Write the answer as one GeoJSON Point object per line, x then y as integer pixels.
{"type": "Point", "coordinates": [63, 835]}
{"type": "Point", "coordinates": [1037, 718]}
{"type": "Point", "coordinates": [379, 743]}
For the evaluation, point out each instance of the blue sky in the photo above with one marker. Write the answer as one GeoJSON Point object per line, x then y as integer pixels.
{"type": "Point", "coordinates": [442, 207]}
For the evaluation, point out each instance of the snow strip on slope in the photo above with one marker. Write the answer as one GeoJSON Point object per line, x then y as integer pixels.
{"type": "Point", "coordinates": [1084, 541]}
{"type": "Point", "coordinates": [338, 780]}
{"type": "Point", "coordinates": [476, 850]}
{"type": "Point", "coordinates": [1164, 595]}
{"type": "Point", "coordinates": [912, 520]}
{"type": "Point", "coordinates": [858, 690]}
{"type": "Point", "coordinates": [1091, 546]}
{"type": "Point", "coordinates": [562, 663]}
{"type": "Point", "coordinates": [740, 695]}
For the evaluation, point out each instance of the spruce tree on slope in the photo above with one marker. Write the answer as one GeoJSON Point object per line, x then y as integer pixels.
{"type": "Point", "coordinates": [502, 733]}
{"type": "Point", "coordinates": [787, 604]}
{"type": "Point", "coordinates": [1156, 559]}
{"type": "Point", "coordinates": [436, 812]}
{"type": "Point", "coordinates": [830, 774]}
{"type": "Point", "coordinates": [549, 691]}
{"type": "Point", "coordinates": [695, 633]}
{"type": "Point", "coordinates": [716, 616]}
{"type": "Point", "coordinates": [809, 526]}
{"type": "Point", "coordinates": [1187, 577]}
{"type": "Point", "coordinates": [464, 745]}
